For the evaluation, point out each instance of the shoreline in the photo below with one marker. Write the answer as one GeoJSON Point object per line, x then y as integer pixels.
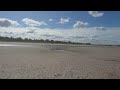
{"type": "Point", "coordinates": [92, 45]}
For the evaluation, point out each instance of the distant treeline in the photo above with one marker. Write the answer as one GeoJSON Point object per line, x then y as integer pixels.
{"type": "Point", "coordinates": [19, 39]}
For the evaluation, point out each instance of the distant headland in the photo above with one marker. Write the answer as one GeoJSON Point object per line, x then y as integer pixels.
{"type": "Point", "coordinates": [19, 39]}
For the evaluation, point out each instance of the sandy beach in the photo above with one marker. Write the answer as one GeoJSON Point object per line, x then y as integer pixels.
{"type": "Point", "coordinates": [55, 61]}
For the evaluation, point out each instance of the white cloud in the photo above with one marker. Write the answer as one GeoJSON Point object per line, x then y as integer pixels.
{"type": "Point", "coordinates": [100, 28]}
{"type": "Point", "coordinates": [33, 23]}
{"type": "Point", "coordinates": [95, 13]}
{"type": "Point", "coordinates": [109, 36]}
{"type": "Point", "coordinates": [50, 20]}
{"type": "Point", "coordinates": [80, 24]}
{"type": "Point", "coordinates": [64, 21]}
{"type": "Point", "coordinates": [32, 28]}
{"type": "Point", "coordinates": [4, 22]}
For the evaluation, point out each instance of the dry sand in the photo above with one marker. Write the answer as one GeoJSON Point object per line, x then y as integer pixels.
{"type": "Point", "coordinates": [47, 61]}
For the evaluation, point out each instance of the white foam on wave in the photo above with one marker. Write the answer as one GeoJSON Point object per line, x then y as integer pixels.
{"type": "Point", "coordinates": [9, 45]}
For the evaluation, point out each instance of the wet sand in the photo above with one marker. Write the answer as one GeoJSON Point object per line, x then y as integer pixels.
{"type": "Point", "coordinates": [55, 61]}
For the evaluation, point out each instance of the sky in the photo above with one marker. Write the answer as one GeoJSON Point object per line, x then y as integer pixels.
{"type": "Point", "coordinates": [98, 27]}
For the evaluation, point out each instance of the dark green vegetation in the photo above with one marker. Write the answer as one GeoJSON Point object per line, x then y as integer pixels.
{"type": "Point", "coordinates": [19, 39]}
